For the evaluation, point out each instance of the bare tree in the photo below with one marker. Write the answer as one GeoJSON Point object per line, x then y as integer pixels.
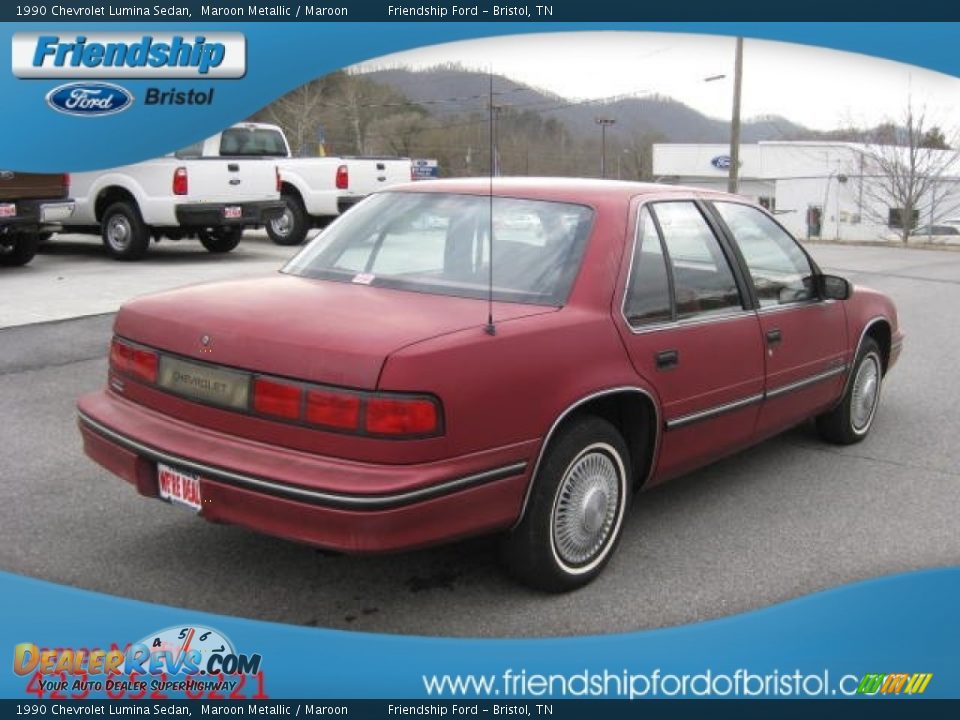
{"type": "Point", "coordinates": [297, 113]}
{"type": "Point", "coordinates": [397, 134]}
{"type": "Point", "coordinates": [907, 173]}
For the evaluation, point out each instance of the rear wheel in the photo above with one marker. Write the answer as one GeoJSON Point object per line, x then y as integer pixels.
{"type": "Point", "coordinates": [291, 227]}
{"type": "Point", "coordinates": [575, 511]}
{"type": "Point", "coordinates": [18, 249]}
{"type": "Point", "coordinates": [124, 233]}
{"type": "Point", "coordinates": [220, 240]}
{"type": "Point", "coordinates": [851, 420]}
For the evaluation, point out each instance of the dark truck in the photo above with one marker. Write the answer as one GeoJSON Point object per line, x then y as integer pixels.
{"type": "Point", "coordinates": [31, 205]}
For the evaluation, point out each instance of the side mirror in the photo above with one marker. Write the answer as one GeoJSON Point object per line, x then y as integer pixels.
{"type": "Point", "coordinates": [833, 287]}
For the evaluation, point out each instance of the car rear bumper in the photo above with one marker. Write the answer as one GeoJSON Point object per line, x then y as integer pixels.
{"type": "Point", "coordinates": [213, 214]}
{"type": "Point", "coordinates": [252, 485]}
{"type": "Point", "coordinates": [34, 213]}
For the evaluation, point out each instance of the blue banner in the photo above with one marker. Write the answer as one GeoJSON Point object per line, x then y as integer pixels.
{"type": "Point", "coordinates": [280, 57]}
{"type": "Point", "coordinates": [820, 646]}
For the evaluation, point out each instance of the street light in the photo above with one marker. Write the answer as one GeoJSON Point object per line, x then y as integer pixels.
{"type": "Point", "coordinates": [603, 122]}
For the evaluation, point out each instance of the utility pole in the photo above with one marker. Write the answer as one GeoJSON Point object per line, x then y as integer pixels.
{"type": "Point", "coordinates": [733, 180]}
{"type": "Point", "coordinates": [603, 122]}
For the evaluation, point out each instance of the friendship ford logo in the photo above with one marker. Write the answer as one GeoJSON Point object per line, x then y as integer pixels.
{"type": "Point", "coordinates": [99, 55]}
{"type": "Point", "coordinates": [721, 162]}
{"type": "Point", "coordinates": [89, 99]}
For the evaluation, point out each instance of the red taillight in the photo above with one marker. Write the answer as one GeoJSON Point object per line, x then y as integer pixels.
{"type": "Point", "coordinates": [66, 183]}
{"type": "Point", "coordinates": [276, 169]}
{"type": "Point", "coordinates": [343, 178]}
{"type": "Point", "coordinates": [333, 409]}
{"type": "Point", "coordinates": [180, 184]}
{"type": "Point", "coordinates": [276, 399]}
{"type": "Point", "coordinates": [389, 416]}
{"type": "Point", "coordinates": [137, 362]}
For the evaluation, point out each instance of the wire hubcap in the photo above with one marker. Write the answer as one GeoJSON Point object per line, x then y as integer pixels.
{"type": "Point", "coordinates": [866, 392]}
{"type": "Point", "coordinates": [586, 507]}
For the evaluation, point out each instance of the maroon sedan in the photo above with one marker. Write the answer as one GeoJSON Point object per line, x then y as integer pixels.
{"type": "Point", "coordinates": [445, 361]}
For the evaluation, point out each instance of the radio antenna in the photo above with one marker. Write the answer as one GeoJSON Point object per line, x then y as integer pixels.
{"type": "Point", "coordinates": [491, 329]}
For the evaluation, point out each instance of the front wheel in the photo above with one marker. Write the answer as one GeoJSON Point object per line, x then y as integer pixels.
{"type": "Point", "coordinates": [289, 228]}
{"type": "Point", "coordinates": [851, 420]}
{"type": "Point", "coordinates": [575, 512]}
{"type": "Point", "coordinates": [221, 240]}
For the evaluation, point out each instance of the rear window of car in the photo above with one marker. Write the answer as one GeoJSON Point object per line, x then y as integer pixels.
{"type": "Point", "coordinates": [440, 243]}
{"type": "Point", "coordinates": [252, 142]}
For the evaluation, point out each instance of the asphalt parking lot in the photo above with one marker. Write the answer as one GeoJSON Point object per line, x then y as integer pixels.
{"type": "Point", "coordinates": [787, 518]}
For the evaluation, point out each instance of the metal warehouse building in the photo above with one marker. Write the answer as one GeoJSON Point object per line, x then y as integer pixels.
{"type": "Point", "coordinates": [829, 190]}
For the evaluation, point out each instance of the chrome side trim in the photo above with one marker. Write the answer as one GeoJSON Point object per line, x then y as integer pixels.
{"type": "Point", "coordinates": [685, 322]}
{"type": "Point", "coordinates": [563, 416]}
{"type": "Point", "coordinates": [794, 305]}
{"type": "Point", "coordinates": [714, 411]}
{"type": "Point", "coordinates": [355, 502]}
{"type": "Point", "coordinates": [711, 412]}
{"type": "Point", "coordinates": [811, 380]}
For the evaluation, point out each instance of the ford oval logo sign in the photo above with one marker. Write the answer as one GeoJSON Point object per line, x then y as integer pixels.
{"type": "Point", "coordinates": [89, 99]}
{"type": "Point", "coordinates": [721, 162]}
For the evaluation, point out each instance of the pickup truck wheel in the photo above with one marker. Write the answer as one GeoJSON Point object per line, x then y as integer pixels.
{"type": "Point", "coordinates": [221, 240]}
{"type": "Point", "coordinates": [851, 420]}
{"type": "Point", "coordinates": [20, 249]}
{"type": "Point", "coordinates": [575, 511]}
{"type": "Point", "coordinates": [125, 235]}
{"type": "Point", "coordinates": [291, 227]}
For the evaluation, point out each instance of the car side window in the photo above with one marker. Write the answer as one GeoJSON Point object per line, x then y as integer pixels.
{"type": "Point", "coordinates": [703, 281]}
{"type": "Point", "coordinates": [780, 270]}
{"type": "Point", "coordinates": [648, 294]}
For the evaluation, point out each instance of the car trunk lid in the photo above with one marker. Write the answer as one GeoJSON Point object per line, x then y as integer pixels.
{"type": "Point", "coordinates": [319, 331]}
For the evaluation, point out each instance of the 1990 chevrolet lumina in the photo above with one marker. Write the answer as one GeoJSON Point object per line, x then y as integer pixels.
{"type": "Point", "coordinates": [360, 401]}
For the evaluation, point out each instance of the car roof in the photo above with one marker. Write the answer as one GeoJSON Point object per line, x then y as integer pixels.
{"type": "Point", "coordinates": [555, 188]}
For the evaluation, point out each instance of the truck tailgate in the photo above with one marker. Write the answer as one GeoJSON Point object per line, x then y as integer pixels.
{"type": "Point", "coordinates": [368, 175]}
{"type": "Point", "coordinates": [32, 186]}
{"type": "Point", "coordinates": [231, 180]}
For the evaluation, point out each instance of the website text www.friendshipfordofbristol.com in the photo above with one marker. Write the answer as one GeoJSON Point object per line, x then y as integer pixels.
{"type": "Point", "coordinates": [522, 683]}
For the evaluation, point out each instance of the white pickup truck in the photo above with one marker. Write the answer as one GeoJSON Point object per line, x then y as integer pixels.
{"type": "Point", "coordinates": [314, 190]}
{"type": "Point", "coordinates": [196, 192]}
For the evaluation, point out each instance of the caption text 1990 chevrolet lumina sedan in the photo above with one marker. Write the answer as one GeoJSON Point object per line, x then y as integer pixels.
{"type": "Point", "coordinates": [360, 400]}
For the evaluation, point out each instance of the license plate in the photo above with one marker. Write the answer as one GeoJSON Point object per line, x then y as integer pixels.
{"type": "Point", "coordinates": [179, 487]}
{"type": "Point", "coordinates": [233, 212]}
{"type": "Point", "coordinates": [214, 385]}
{"type": "Point", "coordinates": [8, 210]}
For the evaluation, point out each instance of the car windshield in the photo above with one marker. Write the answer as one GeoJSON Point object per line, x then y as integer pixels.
{"type": "Point", "coordinates": [439, 243]}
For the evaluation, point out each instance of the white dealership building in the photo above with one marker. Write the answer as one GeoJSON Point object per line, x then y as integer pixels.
{"type": "Point", "coordinates": [830, 190]}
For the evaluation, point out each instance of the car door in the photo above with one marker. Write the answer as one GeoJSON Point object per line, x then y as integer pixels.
{"type": "Point", "coordinates": [690, 332]}
{"type": "Point", "coordinates": [805, 336]}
